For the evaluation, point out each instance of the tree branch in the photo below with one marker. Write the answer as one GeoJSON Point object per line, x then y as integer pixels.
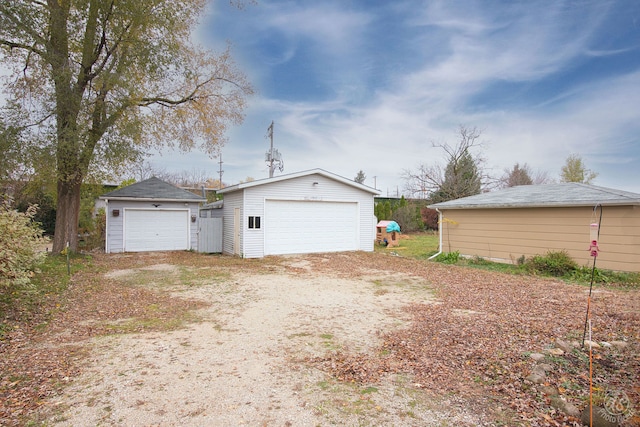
{"type": "Point", "coordinates": [168, 102]}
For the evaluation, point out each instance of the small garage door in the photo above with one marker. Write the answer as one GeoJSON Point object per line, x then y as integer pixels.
{"type": "Point", "coordinates": [296, 227]}
{"type": "Point", "coordinates": [156, 230]}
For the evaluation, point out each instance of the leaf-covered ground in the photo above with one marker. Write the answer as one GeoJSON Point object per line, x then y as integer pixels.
{"type": "Point", "coordinates": [476, 341]}
{"type": "Point", "coordinates": [472, 343]}
{"type": "Point", "coordinates": [40, 355]}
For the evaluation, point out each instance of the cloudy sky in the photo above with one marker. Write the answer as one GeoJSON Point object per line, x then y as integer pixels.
{"type": "Point", "coordinates": [371, 85]}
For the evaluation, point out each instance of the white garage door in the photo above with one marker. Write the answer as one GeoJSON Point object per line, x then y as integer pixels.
{"type": "Point", "coordinates": [295, 227]}
{"type": "Point", "coordinates": [156, 230]}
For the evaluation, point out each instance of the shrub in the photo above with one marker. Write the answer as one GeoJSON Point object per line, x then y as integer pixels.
{"type": "Point", "coordinates": [429, 218]}
{"type": "Point", "coordinates": [20, 243]}
{"type": "Point", "coordinates": [555, 264]}
{"type": "Point", "coordinates": [448, 258]}
{"type": "Point", "coordinates": [584, 274]}
{"type": "Point", "coordinates": [95, 237]}
{"type": "Point", "coordinates": [408, 217]}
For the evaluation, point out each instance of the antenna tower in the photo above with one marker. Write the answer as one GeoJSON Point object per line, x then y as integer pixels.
{"type": "Point", "coordinates": [220, 171]}
{"type": "Point", "coordinates": [273, 156]}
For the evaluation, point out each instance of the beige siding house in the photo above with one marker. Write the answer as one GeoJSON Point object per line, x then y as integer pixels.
{"type": "Point", "coordinates": [534, 219]}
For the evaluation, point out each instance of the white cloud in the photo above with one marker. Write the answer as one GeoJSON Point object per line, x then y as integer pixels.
{"type": "Point", "coordinates": [477, 46]}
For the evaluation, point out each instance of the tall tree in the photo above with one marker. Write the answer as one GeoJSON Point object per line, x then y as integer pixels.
{"type": "Point", "coordinates": [523, 175]}
{"type": "Point", "coordinates": [574, 170]}
{"type": "Point", "coordinates": [462, 176]}
{"type": "Point", "coordinates": [360, 177]}
{"type": "Point", "coordinates": [518, 175]}
{"type": "Point", "coordinates": [106, 80]}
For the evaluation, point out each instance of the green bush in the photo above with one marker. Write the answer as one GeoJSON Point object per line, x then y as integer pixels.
{"type": "Point", "coordinates": [95, 237]}
{"type": "Point", "coordinates": [555, 264]}
{"type": "Point", "coordinates": [408, 217]}
{"type": "Point", "coordinates": [20, 248]}
{"type": "Point", "coordinates": [448, 257]}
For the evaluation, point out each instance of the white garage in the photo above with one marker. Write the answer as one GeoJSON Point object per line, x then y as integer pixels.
{"type": "Point", "coordinates": [151, 215]}
{"type": "Point", "coordinates": [156, 230]}
{"type": "Point", "coordinates": [307, 212]}
{"type": "Point", "coordinates": [294, 226]}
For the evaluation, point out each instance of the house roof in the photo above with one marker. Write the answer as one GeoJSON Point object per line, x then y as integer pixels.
{"type": "Point", "coordinates": [278, 178]}
{"type": "Point", "coordinates": [152, 189]}
{"type": "Point", "coordinates": [570, 194]}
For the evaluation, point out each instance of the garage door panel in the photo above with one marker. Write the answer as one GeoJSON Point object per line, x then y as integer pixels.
{"type": "Point", "coordinates": [308, 227]}
{"type": "Point", "coordinates": [156, 230]}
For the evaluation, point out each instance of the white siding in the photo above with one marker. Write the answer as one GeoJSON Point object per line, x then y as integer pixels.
{"type": "Point", "coordinates": [156, 229]}
{"type": "Point", "coordinates": [252, 200]}
{"type": "Point", "coordinates": [231, 201]}
{"type": "Point", "coordinates": [115, 237]}
{"type": "Point", "coordinates": [302, 226]}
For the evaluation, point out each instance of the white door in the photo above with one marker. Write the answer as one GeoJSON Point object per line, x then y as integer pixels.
{"type": "Point", "coordinates": [156, 230]}
{"type": "Point", "coordinates": [293, 227]}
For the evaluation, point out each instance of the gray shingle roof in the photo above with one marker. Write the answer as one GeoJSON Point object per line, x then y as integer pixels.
{"type": "Point", "coordinates": [153, 189]}
{"type": "Point", "coordinates": [549, 195]}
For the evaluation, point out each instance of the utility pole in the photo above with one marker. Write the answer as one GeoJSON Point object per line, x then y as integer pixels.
{"type": "Point", "coordinates": [220, 171]}
{"type": "Point", "coordinates": [270, 158]}
{"type": "Point", "coordinates": [375, 185]}
{"type": "Point", "coordinates": [273, 157]}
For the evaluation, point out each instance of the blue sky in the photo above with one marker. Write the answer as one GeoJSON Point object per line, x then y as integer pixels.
{"type": "Point", "coordinates": [372, 85]}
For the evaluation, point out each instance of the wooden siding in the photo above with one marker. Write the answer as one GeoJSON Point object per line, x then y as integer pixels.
{"type": "Point", "coordinates": [301, 188]}
{"type": "Point", "coordinates": [507, 234]}
{"type": "Point", "coordinates": [114, 236]}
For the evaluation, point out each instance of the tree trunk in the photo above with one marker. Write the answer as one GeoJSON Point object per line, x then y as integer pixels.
{"type": "Point", "coordinates": [67, 215]}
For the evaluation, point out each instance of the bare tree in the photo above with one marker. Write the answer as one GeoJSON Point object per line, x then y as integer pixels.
{"type": "Point", "coordinates": [193, 178]}
{"type": "Point", "coordinates": [142, 170]}
{"type": "Point", "coordinates": [541, 177]}
{"type": "Point", "coordinates": [462, 176]}
{"type": "Point", "coordinates": [523, 175]}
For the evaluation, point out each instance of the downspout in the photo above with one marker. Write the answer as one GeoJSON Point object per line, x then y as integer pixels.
{"type": "Point", "coordinates": [106, 226]}
{"type": "Point", "coordinates": [440, 234]}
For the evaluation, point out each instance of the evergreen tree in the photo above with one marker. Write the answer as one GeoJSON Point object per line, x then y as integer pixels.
{"type": "Point", "coordinates": [519, 175]}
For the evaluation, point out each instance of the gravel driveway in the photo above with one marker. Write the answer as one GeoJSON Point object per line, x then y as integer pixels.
{"type": "Point", "coordinates": [243, 361]}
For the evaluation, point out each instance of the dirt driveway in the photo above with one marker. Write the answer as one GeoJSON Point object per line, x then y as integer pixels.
{"type": "Point", "coordinates": [243, 361]}
{"type": "Point", "coordinates": [184, 339]}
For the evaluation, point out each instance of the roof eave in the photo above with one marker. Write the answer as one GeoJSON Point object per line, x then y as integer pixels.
{"type": "Point", "coordinates": [321, 172]}
{"type": "Point", "coordinates": [152, 199]}
{"type": "Point", "coordinates": [536, 205]}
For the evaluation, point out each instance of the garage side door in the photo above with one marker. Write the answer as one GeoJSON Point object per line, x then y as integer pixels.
{"type": "Point", "coordinates": [293, 227]}
{"type": "Point", "coordinates": [156, 230]}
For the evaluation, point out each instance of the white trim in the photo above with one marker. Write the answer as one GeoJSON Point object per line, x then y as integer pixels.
{"type": "Point", "coordinates": [124, 222]}
{"type": "Point", "coordinates": [106, 228]}
{"type": "Point", "coordinates": [266, 219]}
{"type": "Point", "coordinates": [151, 199]}
{"type": "Point", "coordinates": [309, 199]}
{"type": "Point", "coordinates": [321, 172]}
{"type": "Point", "coordinates": [439, 235]}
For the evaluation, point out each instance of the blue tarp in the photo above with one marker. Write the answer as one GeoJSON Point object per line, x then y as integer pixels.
{"type": "Point", "coordinates": [393, 226]}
